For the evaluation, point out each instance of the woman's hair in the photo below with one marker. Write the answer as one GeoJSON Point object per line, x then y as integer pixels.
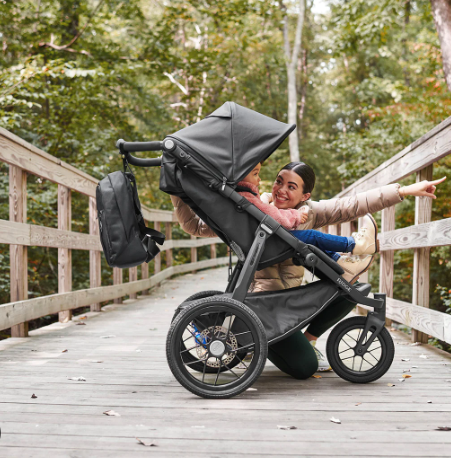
{"type": "Point", "coordinates": [305, 172]}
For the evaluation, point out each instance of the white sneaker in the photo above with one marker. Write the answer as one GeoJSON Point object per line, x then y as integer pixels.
{"type": "Point", "coordinates": [354, 266]}
{"type": "Point", "coordinates": [366, 239]}
{"type": "Point", "coordinates": [323, 364]}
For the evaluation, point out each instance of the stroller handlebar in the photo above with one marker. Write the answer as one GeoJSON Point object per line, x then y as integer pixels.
{"type": "Point", "coordinates": [130, 147]}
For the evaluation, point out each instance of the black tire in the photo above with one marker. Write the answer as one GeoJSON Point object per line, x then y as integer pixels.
{"type": "Point", "coordinates": [355, 368]}
{"type": "Point", "coordinates": [225, 382]}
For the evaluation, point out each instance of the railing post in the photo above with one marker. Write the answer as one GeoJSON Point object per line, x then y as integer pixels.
{"type": "Point", "coordinates": [133, 276]}
{"type": "Point", "coordinates": [118, 278]}
{"type": "Point", "coordinates": [193, 253]}
{"type": "Point", "coordinates": [213, 251]}
{"type": "Point", "coordinates": [346, 229]}
{"type": "Point", "coordinates": [64, 254]}
{"type": "Point", "coordinates": [423, 213]}
{"type": "Point", "coordinates": [386, 271]}
{"type": "Point", "coordinates": [168, 237]}
{"type": "Point", "coordinates": [18, 253]}
{"type": "Point", "coordinates": [95, 259]}
{"type": "Point", "coordinates": [334, 229]}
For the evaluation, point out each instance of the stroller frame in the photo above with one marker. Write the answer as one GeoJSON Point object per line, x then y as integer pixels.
{"type": "Point", "coordinates": [306, 255]}
{"type": "Point", "coordinates": [215, 332]}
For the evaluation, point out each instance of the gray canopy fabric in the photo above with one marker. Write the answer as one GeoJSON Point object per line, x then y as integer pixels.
{"type": "Point", "coordinates": [234, 139]}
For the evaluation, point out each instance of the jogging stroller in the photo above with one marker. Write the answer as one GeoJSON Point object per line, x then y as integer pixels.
{"type": "Point", "coordinates": [218, 340]}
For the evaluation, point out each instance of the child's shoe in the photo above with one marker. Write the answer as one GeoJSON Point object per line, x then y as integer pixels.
{"type": "Point", "coordinates": [323, 364]}
{"type": "Point", "coordinates": [354, 266]}
{"type": "Point", "coordinates": [366, 239]}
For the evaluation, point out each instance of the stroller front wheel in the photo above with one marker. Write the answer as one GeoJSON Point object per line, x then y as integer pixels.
{"type": "Point", "coordinates": [370, 366]}
{"type": "Point", "coordinates": [218, 330]}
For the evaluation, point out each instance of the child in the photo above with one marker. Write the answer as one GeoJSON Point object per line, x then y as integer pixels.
{"type": "Point", "coordinates": [363, 243]}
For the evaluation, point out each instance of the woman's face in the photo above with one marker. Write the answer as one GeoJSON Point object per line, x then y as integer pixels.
{"type": "Point", "coordinates": [288, 190]}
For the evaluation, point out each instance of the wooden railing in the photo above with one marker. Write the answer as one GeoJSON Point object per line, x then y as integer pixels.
{"type": "Point", "coordinates": [24, 158]}
{"type": "Point", "coordinates": [417, 158]}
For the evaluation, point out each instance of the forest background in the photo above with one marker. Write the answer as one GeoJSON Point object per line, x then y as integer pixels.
{"type": "Point", "coordinates": [76, 75]}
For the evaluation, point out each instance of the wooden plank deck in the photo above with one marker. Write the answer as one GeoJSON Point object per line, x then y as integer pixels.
{"type": "Point", "coordinates": [127, 372]}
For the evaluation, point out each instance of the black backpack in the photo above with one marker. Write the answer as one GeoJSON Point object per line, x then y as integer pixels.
{"type": "Point", "coordinates": [126, 240]}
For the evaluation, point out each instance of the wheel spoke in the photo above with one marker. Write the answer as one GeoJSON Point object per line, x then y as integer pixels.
{"type": "Point", "coordinates": [347, 334]}
{"type": "Point", "coordinates": [363, 357]}
{"type": "Point", "coordinates": [361, 364]}
{"type": "Point", "coordinates": [242, 333]}
{"type": "Point", "coordinates": [241, 361]}
{"type": "Point", "coordinates": [344, 341]}
{"type": "Point", "coordinates": [197, 361]}
{"type": "Point", "coordinates": [243, 347]}
{"type": "Point", "coordinates": [189, 349]}
{"type": "Point", "coordinates": [219, 370]}
{"type": "Point", "coordinates": [373, 356]}
{"type": "Point", "coordinates": [349, 357]}
{"type": "Point", "coordinates": [231, 370]}
{"type": "Point", "coordinates": [374, 349]}
{"type": "Point", "coordinates": [203, 372]}
{"type": "Point", "coordinates": [346, 349]}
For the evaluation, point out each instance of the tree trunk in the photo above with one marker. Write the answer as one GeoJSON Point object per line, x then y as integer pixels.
{"type": "Point", "coordinates": [291, 59]}
{"type": "Point", "coordinates": [441, 10]}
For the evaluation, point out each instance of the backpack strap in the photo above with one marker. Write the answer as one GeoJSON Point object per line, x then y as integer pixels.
{"type": "Point", "coordinates": [155, 235]}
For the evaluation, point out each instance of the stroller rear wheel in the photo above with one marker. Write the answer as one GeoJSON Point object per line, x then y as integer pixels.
{"type": "Point", "coordinates": [218, 330]}
{"type": "Point", "coordinates": [359, 368]}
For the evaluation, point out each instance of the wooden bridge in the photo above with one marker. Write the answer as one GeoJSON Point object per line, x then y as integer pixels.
{"type": "Point", "coordinates": [59, 382]}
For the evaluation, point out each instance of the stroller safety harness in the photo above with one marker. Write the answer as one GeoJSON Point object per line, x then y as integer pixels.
{"type": "Point", "coordinates": [218, 341]}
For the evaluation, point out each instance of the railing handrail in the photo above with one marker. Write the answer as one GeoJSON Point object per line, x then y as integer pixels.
{"type": "Point", "coordinates": [418, 158]}
{"type": "Point", "coordinates": [24, 158]}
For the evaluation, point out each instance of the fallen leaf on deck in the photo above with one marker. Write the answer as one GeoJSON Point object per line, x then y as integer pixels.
{"type": "Point", "coordinates": [401, 379]}
{"type": "Point", "coordinates": [107, 337]}
{"type": "Point", "coordinates": [406, 376]}
{"type": "Point", "coordinates": [358, 403]}
{"type": "Point", "coordinates": [405, 359]}
{"type": "Point", "coordinates": [416, 344]}
{"type": "Point", "coordinates": [286, 427]}
{"type": "Point", "coordinates": [406, 370]}
{"type": "Point", "coordinates": [33, 396]}
{"type": "Point", "coordinates": [80, 323]}
{"type": "Point", "coordinates": [152, 329]}
{"type": "Point", "coordinates": [146, 443]}
{"type": "Point", "coordinates": [390, 384]}
{"type": "Point", "coordinates": [78, 379]}
{"type": "Point", "coordinates": [64, 351]}
{"type": "Point", "coordinates": [335, 420]}
{"type": "Point", "coordinates": [415, 367]}
{"type": "Point", "coordinates": [111, 413]}
{"type": "Point", "coordinates": [316, 376]}
{"type": "Point", "coordinates": [443, 428]}
{"type": "Point", "coordinates": [423, 356]}
{"type": "Point", "coordinates": [429, 402]}
{"type": "Point", "coordinates": [94, 361]}
{"type": "Point", "coordinates": [251, 389]}
{"type": "Point", "coordinates": [83, 318]}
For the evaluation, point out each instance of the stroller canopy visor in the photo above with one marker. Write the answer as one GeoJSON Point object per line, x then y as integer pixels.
{"type": "Point", "coordinates": [234, 139]}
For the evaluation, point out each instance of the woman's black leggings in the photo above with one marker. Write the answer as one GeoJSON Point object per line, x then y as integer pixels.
{"type": "Point", "coordinates": [295, 355]}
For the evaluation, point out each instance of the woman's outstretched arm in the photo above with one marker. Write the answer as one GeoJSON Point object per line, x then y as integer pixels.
{"type": "Point", "coordinates": [189, 221]}
{"type": "Point", "coordinates": [347, 208]}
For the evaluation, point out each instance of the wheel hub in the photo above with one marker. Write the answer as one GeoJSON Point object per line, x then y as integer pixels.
{"type": "Point", "coordinates": [227, 353]}
{"type": "Point", "coordinates": [217, 348]}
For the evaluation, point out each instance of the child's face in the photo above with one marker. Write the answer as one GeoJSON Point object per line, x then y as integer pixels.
{"type": "Point", "coordinates": [254, 176]}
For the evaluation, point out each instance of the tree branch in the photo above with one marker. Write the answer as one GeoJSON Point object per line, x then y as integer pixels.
{"type": "Point", "coordinates": [79, 34]}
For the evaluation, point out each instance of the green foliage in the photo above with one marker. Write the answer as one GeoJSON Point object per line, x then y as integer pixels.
{"type": "Point", "coordinates": [77, 75]}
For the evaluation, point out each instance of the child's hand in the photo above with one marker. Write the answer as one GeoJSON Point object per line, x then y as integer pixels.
{"type": "Point", "coordinates": [304, 213]}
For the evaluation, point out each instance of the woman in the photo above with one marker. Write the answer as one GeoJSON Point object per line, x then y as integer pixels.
{"type": "Point", "coordinates": [296, 355]}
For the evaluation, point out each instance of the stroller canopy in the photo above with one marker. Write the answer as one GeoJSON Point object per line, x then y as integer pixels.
{"type": "Point", "coordinates": [234, 139]}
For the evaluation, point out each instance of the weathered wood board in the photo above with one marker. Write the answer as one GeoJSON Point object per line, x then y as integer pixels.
{"type": "Point", "coordinates": [127, 372]}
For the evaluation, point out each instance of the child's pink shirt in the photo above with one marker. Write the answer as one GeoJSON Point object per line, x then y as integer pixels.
{"type": "Point", "coordinates": [288, 218]}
